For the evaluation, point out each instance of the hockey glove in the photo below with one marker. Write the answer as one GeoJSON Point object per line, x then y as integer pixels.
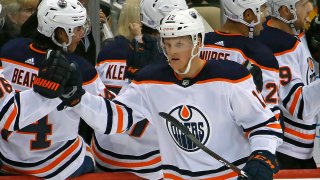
{"type": "Point", "coordinates": [261, 165]}
{"type": "Point", "coordinates": [73, 91]}
{"type": "Point", "coordinates": [52, 76]}
{"type": "Point", "coordinates": [256, 73]}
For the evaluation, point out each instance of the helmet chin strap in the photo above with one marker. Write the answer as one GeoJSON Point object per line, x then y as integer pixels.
{"type": "Point", "coordinates": [189, 63]}
{"type": "Point", "coordinates": [290, 22]}
{"type": "Point", "coordinates": [251, 29]}
{"type": "Point", "coordinates": [63, 45]}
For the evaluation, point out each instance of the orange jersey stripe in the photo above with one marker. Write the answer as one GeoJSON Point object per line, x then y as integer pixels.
{"type": "Point", "coordinates": [287, 51]}
{"type": "Point", "coordinates": [19, 63]}
{"type": "Point", "coordinates": [225, 80]}
{"type": "Point", "coordinates": [11, 117]}
{"type": "Point", "coordinates": [222, 177]}
{"type": "Point", "coordinates": [126, 164]}
{"type": "Point", "coordinates": [36, 50]}
{"type": "Point", "coordinates": [171, 176]}
{"type": "Point", "coordinates": [299, 134]}
{"type": "Point", "coordinates": [48, 167]}
{"type": "Point", "coordinates": [111, 61]}
{"type": "Point", "coordinates": [274, 126]}
{"type": "Point", "coordinates": [151, 82]}
{"type": "Point", "coordinates": [295, 101]}
{"type": "Point", "coordinates": [244, 56]}
{"type": "Point", "coordinates": [91, 81]}
{"type": "Point", "coordinates": [199, 82]}
{"type": "Point", "coordinates": [120, 119]}
{"type": "Point", "coordinates": [227, 34]}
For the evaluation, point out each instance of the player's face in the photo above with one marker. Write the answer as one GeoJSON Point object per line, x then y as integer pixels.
{"type": "Point", "coordinates": [264, 12]}
{"type": "Point", "coordinates": [302, 14]}
{"type": "Point", "coordinates": [79, 33]}
{"type": "Point", "coordinates": [178, 50]}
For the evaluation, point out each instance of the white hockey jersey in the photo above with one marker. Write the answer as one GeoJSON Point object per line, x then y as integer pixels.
{"type": "Point", "coordinates": [126, 152]}
{"type": "Point", "coordinates": [298, 92]}
{"type": "Point", "coordinates": [50, 147]}
{"type": "Point", "coordinates": [220, 106]}
{"type": "Point", "coordinates": [238, 48]}
{"type": "Point", "coordinates": [16, 111]}
{"type": "Point", "coordinates": [111, 63]}
{"type": "Point", "coordinates": [137, 150]}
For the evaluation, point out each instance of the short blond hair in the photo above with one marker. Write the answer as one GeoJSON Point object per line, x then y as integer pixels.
{"type": "Point", "coordinates": [130, 13]}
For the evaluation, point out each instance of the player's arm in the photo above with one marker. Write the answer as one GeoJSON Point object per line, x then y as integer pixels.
{"type": "Point", "coordinates": [260, 127]}
{"type": "Point", "coordinates": [21, 109]}
{"type": "Point", "coordinates": [110, 117]}
{"type": "Point", "coordinates": [258, 122]}
{"type": "Point", "coordinates": [300, 100]}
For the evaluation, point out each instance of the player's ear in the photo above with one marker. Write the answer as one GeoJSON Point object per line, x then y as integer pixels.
{"type": "Point", "coordinates": [249, 16]}
{"type": "Point", "coordinates": [285, 12]}
{"type": "Point", "coordinates": [61, 35]}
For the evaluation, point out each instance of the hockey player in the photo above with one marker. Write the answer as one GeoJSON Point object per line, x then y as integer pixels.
{"type": "Point", "coordinates": [137, 150]}
{"type": "Point", "coordinates": [211, 98]}
{"type": "Point", "coordinates": [233, 41]}
{"type": "Point", "coordinates": [16, 111]}
{"type": "Point", "coordinates": [297, 91]}
{"type": "Point", "coordinates": [50, 147]}
{"type": "Point", "coordinates": [111, 62]}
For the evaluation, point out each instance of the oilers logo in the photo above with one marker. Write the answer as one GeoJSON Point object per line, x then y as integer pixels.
{"type": "Point", "coordinates": [195, 121]}
{"type": "Point", "coordinates": [311, 74]}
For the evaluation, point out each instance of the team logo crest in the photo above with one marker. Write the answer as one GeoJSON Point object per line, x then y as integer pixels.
{"type": "Point", "coordinates": [195, 121]}
{"type": "Point", "coordinates": [193, 15]}
{"type": "Point", "coordinates": [62, 3]}
{"type": "Point", "coordinates": [311, 75]}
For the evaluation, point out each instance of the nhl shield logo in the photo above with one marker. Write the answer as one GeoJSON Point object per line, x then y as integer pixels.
{"type": "Point", "coordinates": [195, 121]}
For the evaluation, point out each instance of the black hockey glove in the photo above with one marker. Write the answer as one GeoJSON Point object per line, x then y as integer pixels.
{"type": "Point", "coordinates": [73, 91]}
{"type": "Point", "coordinates": [261, 165]}
{"type": "Point", "coordinates": [313, 38]}
{"type": "Point", "coordinates": [256, 73]}
{"type": "Point", "coordinates": [53, 73]}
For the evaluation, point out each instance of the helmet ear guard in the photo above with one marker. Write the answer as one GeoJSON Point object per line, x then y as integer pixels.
{"type": "Point", "coordinates": [234, 9]}
{"type": "Point", "coordinates": [66, 14]}
{"type": "Point", "coordinates": [180, 23]}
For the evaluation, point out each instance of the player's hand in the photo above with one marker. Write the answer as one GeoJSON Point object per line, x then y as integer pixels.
{"type": "Point", "coordinates": [52, 76]}
{"type": "Point", "coordinates": [256, 73]}
{"type": "Point", "coordinates": [73, 91]}
{"type": "Point", "coordinates": [261, 165]}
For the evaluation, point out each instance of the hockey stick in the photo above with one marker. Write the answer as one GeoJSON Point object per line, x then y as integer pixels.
{"type": "Point", "coordinates": [186, 131]}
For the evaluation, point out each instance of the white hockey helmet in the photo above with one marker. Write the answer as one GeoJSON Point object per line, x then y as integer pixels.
{"type": "Point", "coordinates": [234, 9]}
{"type": "Point", "coordinates": [183, 23]}
{"type": "Point", "coordinates": [66, 14]}
{"type": "Point", "coordinates": [276, 4]}
{"type": "Point", "coordinates": [152, 11]}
